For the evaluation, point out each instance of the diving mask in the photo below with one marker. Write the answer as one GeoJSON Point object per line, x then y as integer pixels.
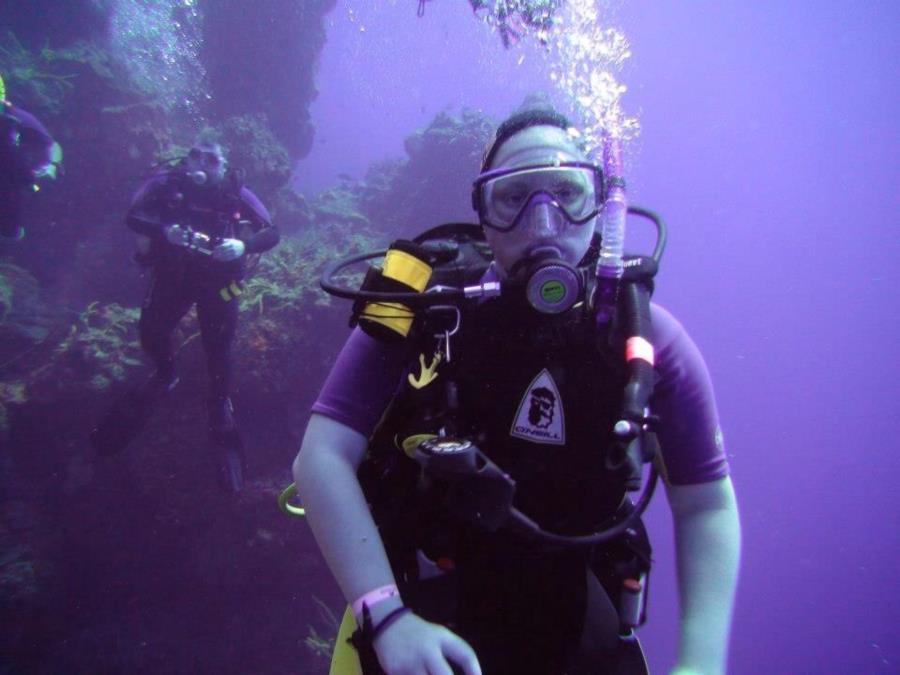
{"type": "Point", "coordinates": [505, 197]}
{"type": "Point", "coordinates": [204, 166]}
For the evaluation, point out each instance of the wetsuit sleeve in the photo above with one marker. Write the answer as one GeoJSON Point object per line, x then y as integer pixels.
{"type": "Point", "coordinates": [265, 234]}
{"type": "Point", "coordinates": [362, 382]}
{"type": "Point", "coordinates": [689, 431]}
{"type": "Point", "coordinates": [145, 214]}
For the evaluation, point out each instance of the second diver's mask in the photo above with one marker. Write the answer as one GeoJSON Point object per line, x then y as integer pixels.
{"type": "Point", "coordinates": [539, 222]}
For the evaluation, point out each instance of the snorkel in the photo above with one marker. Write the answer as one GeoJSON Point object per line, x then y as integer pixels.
{"type": "Point", "coordinates": [611, 265]}
{"type": "Point", "coordinates": [626, 293]}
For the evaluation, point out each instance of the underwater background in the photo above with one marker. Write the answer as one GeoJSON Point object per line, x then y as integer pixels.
{"type": "Point", "coordinates": [768, 140]}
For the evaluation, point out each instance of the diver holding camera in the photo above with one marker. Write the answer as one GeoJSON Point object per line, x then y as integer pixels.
{"type": "Point", "coordinates": [197, 224]}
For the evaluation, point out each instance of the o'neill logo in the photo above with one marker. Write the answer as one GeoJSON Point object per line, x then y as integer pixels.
{"type": "Point", "coordinates": [540, 417]}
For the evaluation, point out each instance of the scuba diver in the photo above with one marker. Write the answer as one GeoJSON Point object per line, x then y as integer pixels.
{"type": "Point", "coordinates": [27, 154]}
{"type": "Point", "coordinates": [515, 18]}
{"type": "Point", "coordinates": [196, 224]}
{"type": "Point", "coordinates": [467, 465]}
{"type": "Point", "coordinates": [512, 18]}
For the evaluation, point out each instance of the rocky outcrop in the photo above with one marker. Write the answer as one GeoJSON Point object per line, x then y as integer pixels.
{"type": "Point", "coordinates": [262, 60]}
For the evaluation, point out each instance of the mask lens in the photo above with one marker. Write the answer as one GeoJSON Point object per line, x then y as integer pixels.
{"type": "Point", "coordinates": [573, 189]}
{"type": "Point", "coordinates": [208, 159]}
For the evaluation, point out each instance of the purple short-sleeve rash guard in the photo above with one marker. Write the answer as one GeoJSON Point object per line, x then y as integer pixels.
{"type": "Point", "coordinates": [367, 374]}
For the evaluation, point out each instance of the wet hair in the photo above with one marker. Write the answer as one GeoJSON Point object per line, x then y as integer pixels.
{"type": "Point", "coordinates": [517, 122]}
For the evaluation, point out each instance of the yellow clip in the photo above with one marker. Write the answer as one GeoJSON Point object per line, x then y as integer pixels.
{"type": "Point", "coordinates": [428, 374]}
{"type": "Point", "coordinates": [235, 289]}
{"type": "Point", "coordinates": [224, 294]}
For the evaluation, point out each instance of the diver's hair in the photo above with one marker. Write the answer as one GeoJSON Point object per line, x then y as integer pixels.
{"type": "Point", "coordinates": [517, 122]}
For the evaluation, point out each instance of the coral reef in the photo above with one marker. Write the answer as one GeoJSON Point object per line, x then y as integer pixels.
{"type": "Point", "coordinates": [284, 292]}
{"type": "Point", "coordinates": [70, 356]}
{"type": "Point", "coordinates": [253, 147]}
{"type": "Point", "coordinates": [100, 348]}
{"type": "Point", "coordinates": [42, 79]}
{"type": "Point", "coordinates": [339, 205]}
{"type": "Point", "coordinates": [24, 319]}
{"type": "Point", "coordinates": [431, 186]}
{"type": "Point", "coordinates": [68, 345]}
{"type": "Point", "coordinates": [291, 210]}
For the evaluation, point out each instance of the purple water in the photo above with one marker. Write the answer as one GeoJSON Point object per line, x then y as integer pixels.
{"type": "Point", "coordinates": [770, 144]}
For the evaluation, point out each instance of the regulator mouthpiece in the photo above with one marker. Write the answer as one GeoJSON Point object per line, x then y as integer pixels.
{"type": "Point", "coordinates": [199, 177]}
{"type": "Point", "coordinates": [552, 286]}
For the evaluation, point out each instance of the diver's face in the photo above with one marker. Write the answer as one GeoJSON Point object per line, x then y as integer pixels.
{"type": "Point", "coordinates": [208, 160]}
{"type": "Point", "coordinates": [538, 204]}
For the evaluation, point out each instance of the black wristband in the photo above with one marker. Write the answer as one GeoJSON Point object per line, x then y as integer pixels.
{"type": "Point", "coordinates": [388, 620]}
{"type": "Point", "coordinates": [365, 635]}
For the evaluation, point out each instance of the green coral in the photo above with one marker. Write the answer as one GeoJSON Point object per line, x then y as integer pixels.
{"type": "Point", "coordinates": [101, 345]}
{"type": "Point", "coordinates": [284, 306]}
{"type": "Point", "coordinates": [44, 78]}
{"type": "Point", "coordinates": [288, 276]}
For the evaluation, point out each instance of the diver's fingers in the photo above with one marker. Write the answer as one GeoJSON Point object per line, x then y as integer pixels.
{"type": "Point", "coordinates": [461, 654]}
{"type": "Point", "coordinates": [436, 665]}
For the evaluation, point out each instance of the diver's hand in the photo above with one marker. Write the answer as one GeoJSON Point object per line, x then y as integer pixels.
{"type": "Point", "coordinates": [228, 249]}
{"type": "Point", "coordinates": [53, 166]}
{"type": "Point", "coordinates": [413, 646]}
{"type": "Point", "coordinates": [177, 235]}
{"type": "Point", "coordinates": [46, 171]}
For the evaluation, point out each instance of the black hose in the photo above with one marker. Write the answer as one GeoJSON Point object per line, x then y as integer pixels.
{"type": "Point", "coordinates": [661, 230]}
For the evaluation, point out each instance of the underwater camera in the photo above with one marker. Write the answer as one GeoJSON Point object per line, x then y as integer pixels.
{"type": "Point", "coordinates": [201, 242]}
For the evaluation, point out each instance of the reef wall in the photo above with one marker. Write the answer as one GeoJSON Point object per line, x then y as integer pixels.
{"type": "Point", "coordinates": [138, 562]}
{"type": "Point", "coordinates": [263, 61]}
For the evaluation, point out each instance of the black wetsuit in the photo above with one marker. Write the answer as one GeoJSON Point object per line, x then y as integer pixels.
{"type": "Point", "coordinates": [523, 605]}
{"type": "Point", "coordinates": [24, 148]}
{"type": "Point", "coordinates": [182, 277]}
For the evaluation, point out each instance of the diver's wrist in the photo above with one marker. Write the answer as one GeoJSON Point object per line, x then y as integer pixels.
{"type": "Point", "coordinates": [382, 609]}
{"type": "Point", "coordinates": [379, 602]}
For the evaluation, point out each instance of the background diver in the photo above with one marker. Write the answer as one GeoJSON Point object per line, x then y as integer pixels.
{"type": "Point", "coordinates": [27, 154]}
{"type": "Point", "coordinates": [196, 224]}
{"type": "Point", "coordinates": [426, 589]}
